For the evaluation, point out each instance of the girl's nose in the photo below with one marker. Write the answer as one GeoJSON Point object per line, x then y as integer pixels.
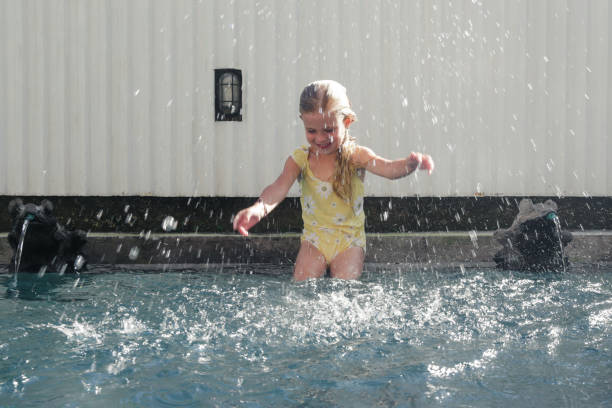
{"type": "Point", "coordinates": [323, 137]}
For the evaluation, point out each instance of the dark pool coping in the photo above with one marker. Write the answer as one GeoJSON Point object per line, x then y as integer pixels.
{"type": "Point", "coordinates": [422, 248]}
{"type": "Point", "coordinates": [133, 214]}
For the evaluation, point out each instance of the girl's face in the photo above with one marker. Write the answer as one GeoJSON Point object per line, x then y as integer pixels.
{"type": "Point", "coordinates": [324, 132]}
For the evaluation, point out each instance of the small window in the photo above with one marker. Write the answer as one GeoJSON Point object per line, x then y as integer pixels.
{"type": "Point", "coordinates": [228, 94]}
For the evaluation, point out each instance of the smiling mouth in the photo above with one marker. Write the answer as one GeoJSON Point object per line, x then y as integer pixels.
{"type": "Point", "coordinates": [324, 146]}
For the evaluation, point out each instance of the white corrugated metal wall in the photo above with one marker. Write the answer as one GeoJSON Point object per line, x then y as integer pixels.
{"type": "Point", "coordinates": [113, 97]}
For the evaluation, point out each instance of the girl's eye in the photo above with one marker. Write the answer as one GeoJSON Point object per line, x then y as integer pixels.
{"type": "Point", "coordinates": [329, 130]}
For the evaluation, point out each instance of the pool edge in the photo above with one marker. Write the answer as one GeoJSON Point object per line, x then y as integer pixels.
{"type": "Point", "coordinates": [457, 247]}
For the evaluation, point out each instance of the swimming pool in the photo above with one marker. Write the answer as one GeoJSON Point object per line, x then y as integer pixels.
{"type": "Point", "coordinates": [250, 336]}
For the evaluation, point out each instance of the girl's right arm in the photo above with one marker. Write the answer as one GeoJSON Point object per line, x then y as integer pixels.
{"type": "Point", "coordinates": [270, 197]}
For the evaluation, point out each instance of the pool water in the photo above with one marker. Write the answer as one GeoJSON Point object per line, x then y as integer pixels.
{"type": "Point", "coordinates": [249, 336]}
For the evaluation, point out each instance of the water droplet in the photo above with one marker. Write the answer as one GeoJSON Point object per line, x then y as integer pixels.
{"type": "Point", "coordinates": [62, 269]}
{"type": "Point", "coordinates": [169, 224]}
{"type": "Point", "coordinates": [79, 262]}
{"type": "Point", "coordinates": [474, 238]}
{"type": "Point", "coordinates": [136, 92]}
{"type": "Point", "coordinates": [134, 252]}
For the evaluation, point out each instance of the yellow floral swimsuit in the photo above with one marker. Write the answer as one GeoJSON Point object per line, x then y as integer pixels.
{"type": "Point", "coordinates": [331, 224]}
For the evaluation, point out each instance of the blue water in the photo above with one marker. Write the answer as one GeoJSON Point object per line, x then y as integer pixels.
{"type": "Point", "coordinates": [401, 336]}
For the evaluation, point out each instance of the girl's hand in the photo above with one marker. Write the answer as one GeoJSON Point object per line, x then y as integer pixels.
{"type": "Point", "coordinates": [421, 161]}
{"type": "Point", "coordinates": [247, 218]}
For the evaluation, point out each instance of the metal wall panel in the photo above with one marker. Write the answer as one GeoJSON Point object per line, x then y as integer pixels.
{"type": "Point", "coordinates": [108, 97]}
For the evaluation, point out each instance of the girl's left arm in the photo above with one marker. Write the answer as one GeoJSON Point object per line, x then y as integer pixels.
{"type": "Point", "coordinates": [392, 169]}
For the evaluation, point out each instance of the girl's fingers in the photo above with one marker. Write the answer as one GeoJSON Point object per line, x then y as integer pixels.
{"type": "Point", "coordinates": [240, 227]}
{"type": "Point", "coordinates": [422, 161]}
{"type": "Point", "coordinates": [414, 161]}
{"type": "Point", "coordinates": [416, 158]}
{"type": "Point", "coordinates": [239, 221]}
{"type": "Point", "coordinates": [243, 221]}
{"type": "Point", "coordinates": [243, 231]}
{"type": "Point", "coordinates": [236, 221]}
{"type": "Point", "coordinates": [427, 163]}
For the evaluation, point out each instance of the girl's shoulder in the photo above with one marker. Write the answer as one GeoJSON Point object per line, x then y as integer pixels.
{"type": "Point", "coordinates": [300, 155]}
{"type": "Point", "coordinates": [362, 155]}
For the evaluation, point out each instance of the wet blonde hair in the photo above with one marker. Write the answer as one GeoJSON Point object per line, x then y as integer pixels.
{"type": "Point", "coordinates": [329, 97]}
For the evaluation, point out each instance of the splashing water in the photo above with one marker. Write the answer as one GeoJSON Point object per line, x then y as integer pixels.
{"type": "Point", "coordinates": [78, 263]}
{"type": "Point", "coordinates": [24, 229]}
{"type": "Point", "coordinates": [433, 337]}
{"type": "Point", "coordinates": [555, 219]}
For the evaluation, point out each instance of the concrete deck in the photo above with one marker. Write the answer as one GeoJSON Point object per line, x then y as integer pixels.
{"type": "Point", "coordinates": [469, 248]}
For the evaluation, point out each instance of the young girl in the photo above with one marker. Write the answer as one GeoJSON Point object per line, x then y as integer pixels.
{"type": "Point", "coordinates": [331, 173]}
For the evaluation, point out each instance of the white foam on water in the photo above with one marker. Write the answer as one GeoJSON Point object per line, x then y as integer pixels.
{"type": "Point", "coordinates": [601, 319]}
{"type": "Point", "coordinates": [80, 332]}
{"type": "Point", "coordinates": [131, 325]}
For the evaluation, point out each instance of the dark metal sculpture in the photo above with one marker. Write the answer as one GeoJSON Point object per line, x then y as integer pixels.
{"type": "Point", "coordinates": [535, 240]}
{"type": "Point", "coordinates": [45, 243]}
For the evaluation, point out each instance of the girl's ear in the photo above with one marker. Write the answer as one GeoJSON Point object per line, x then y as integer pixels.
{"type": "Point", "coordinates": [347, 121]}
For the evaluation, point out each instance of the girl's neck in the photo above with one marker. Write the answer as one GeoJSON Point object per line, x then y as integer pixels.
{"type": "Point", "coordinates": [323, 165]}
{"type": "Point", "coordinates": [323, 157]}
